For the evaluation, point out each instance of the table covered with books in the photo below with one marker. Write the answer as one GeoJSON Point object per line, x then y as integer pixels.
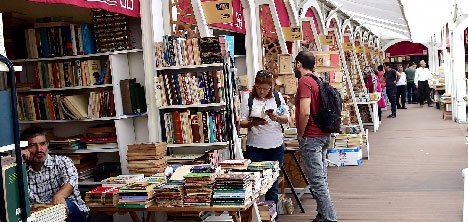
{"type": "Point", "coordinates": [232, 187]}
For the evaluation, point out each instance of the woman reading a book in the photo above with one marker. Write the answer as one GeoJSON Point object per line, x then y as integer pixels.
{"type": "Point", "coordinates": [262, 112]}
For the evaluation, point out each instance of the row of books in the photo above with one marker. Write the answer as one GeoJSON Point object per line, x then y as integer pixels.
{"type": "Point", "coordinates": [71, 74]}
{"type": "Point", "coordinates": [62, 107]}
{"type": "Point", "coordinates": [147, 159]}
{"type": "Point", "coordinates": [189, 88]}
{"type": "Point", "coordinates": [111, 31]}
{"type": "Point", "coordinates": [64, 40]}
{"type": "Point", "coordinates": [133, 96]}
{"type": "Point", "coordinates": [194, 127]}
{"type": "Point", "coordinates": [177, 51]}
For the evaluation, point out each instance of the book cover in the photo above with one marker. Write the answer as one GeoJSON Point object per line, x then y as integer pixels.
{"type": "Point", "coordinates": [78, 105]}
{"type": "Point", "coordinates": [51, 106]}
{"type": "Point", "coordinates": [68, 43]}
{"type": "Point", "coordinates": [31, 43]}
{"type": "Point", "coordinates": [73, 35]}
{"type": "Point", "coordinates": [85, 78]}
{"type": "Point", "coordinates": [182, 88]}
{"type": "Point", "coordinates": [94, 69]}
{"type": "Point", "coordinates": [177, 127]}
{"type": "Point", "coordinates": [125, 93]}
{"type": "Point", "coordinates": [89, 43]}
{"type": "Point", "coordinates": [11, 194]}
{"type": "Point", "coordinates": [44, 43]}
{"type": "Point", "coordinates": [61, 75]}
{"type": "Point", "coordinates": [37, 76]}
{"type": "Point", "coordinates": [175, 78]}
{"type": "Point", "coordinates": [200, 127]}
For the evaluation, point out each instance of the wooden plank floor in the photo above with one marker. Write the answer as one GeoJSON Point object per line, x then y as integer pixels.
{"type": "Point", "coordinates": [413, 174]}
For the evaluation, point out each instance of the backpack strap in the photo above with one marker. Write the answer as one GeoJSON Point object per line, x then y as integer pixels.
{"type": "Point", "coordinates": [314, 77]}
{"type": "Point", "coordinates": [277, 98]}
{"type": "Point", "coordinates": [250, 102]}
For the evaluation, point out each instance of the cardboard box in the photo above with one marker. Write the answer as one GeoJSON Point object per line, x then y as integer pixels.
{"type": "Point", "coordinates": [345, 157]}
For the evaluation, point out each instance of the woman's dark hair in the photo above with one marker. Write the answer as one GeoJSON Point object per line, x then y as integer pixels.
{"type": "Point", "coordinates": [380, 68]}
{"type": "Point", "coordinates": [263, 77]}
{"type": "Point", "coordinates": [307, 59]}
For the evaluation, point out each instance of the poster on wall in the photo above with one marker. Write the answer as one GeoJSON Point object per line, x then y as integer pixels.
{"type": "Point", "coordinates": [218, 11]}
{"type": "Point", "coordinates": [360, 49]}
{"type": "Point", "coordinates": [290, 84]}
{"type": "Point", "coordinates": [292, 33]}
{"type": "Point", "coordinates": [125, 7]}
{"type": "Point", "coordinates": [285, 64]}
{"type": "Point", "coordinates": [327, 40]}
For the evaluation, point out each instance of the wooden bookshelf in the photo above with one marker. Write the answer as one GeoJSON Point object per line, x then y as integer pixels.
{"type": "Point", "coordinates": [66, 88]}
{"type": "Point", "coordinates": [190, 67]}
{"type": "Point", "coordinates": [77, 56]}
{"type": "Point", "coordinates": [193, 106]}
{"type": "Point", "coordinates": [197, 144]}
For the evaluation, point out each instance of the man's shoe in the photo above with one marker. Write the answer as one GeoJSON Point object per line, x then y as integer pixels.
{"type": "Point", "coordinates": [390, 116]}
{"type": "Point", "coordinates": [429, 105]}
{"type": "Point", "coordinates": [404, 108]}
{"type": "Point", "coordinates": [393, 116]}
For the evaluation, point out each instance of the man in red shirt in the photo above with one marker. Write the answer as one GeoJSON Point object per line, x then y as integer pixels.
{"type": "Point", "coordinates": [313, 142]}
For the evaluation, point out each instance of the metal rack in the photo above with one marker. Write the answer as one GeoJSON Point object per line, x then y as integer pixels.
{"type": "Point", "coordinates": [17, 149]}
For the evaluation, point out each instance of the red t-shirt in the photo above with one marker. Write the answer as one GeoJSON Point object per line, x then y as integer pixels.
{"type": "Point", "coordinates": [308, 88]}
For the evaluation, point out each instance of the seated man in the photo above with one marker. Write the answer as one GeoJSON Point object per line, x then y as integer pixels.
{"type": "Point", "coordinates": [51, 179]}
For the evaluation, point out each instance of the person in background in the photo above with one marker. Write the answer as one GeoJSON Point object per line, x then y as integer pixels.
{"type": "Point", "coordinates": [391, 78]}
{"type": "Point", "coordinates": [410, 84]}
{"type": "Point", "coordinates": [383, 82]}
{"type": "Point", "coordinates": [422, 77]}
{"type": "Point", "coordinates": [51, 179]}
{"type": "Point", "coordinates": [373, 84]}
{"type": "Point", "coordinates": [401, 88]}
{"type": "Point", "coordinates": [313, 141]}
{"type": "Point", "coordinates": [265, 136]}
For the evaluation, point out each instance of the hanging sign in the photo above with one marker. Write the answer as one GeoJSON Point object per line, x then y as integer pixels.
{"type": "Point", "coordinates": [386, 60]}
{"type": "Point", "coordinates": [218, 11]}
{"type": "Point", "coordinates": [125, 7]}
{"type": "Point", "coordinates": [327, 40]}
{"type": "Point", "coordinates": [347, 46]}
{"type": "Point", "coordinates": [290, 84]}
{"type": "Point", "coordinates": [360, 49]}
{"type": "Point", "coordinates": [237, 24]}
{"type": "Point", "coordinates": [285, 64]}
{"type": "Point", "coordinates": [292, 33]}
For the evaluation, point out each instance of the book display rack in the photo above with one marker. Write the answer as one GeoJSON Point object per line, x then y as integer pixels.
{"type": "Point", "coordinates": [193, 94]}
{"type": "Point", "coordinates": [82, 79]}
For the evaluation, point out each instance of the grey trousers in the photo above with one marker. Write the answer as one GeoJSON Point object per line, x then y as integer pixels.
{"type": "Point", "coordinates": [313, 152]}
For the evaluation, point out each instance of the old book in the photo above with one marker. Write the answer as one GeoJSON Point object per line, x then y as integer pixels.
{"type": "Point", "coordinates": [200, 127]}
{"type": "Point", "coordinates": [77, 104]}
{"type": "Point", "coordinates": [126, 96]}
{"type": "Point", "coordinates": [94, 69]}
{"type": "Point", "coordinates": [177, 127]}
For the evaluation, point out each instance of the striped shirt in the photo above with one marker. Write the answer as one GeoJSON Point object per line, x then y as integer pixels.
{"type": "Point", "coordinates": [45, 183]}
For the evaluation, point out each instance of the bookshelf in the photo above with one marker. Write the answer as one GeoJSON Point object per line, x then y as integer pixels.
{"type": "Point", "coordinates": [124, 64]}
{"type": "Point", "coordinates": [193, 106]}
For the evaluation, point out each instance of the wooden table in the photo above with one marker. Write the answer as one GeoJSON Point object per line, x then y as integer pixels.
{"type": "Point", "coordinates": [247, 213]}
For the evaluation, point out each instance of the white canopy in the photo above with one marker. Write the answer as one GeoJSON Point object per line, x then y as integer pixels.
{"type": "Point", "coordinates": [414, 20]}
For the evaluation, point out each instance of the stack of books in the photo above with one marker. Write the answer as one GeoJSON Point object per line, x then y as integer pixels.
{"type": "Point", "coordinates": [58, 145]}
{"type": "Point", "coordinates": [177, 51]}
{"type": "Point", "coordinates": [241, 164]}
{"type": "Point", "coordinates": [267, 210]}
{"type": "Point", "coordinates": [100, 137]}
{"type": "Point", "coordinates": [199, 186]}
{"type": "Point", "coordinates": [102, 196]}
{"type": "Point", "coordinates": [147, 159]}
{"type": "Point", "coordinates": [348, 141]}
{"type": "Point", "coordinates": [232, 190]}
{"type": "Point", "coordinates": [48, 213]}
{"type": "Point", "coordinates": [156, 179]}
{"type": "Point", "coordinates": [194, 127]}
{"type": "Point", "coordinates": [190, 88]}
{"type": "Point", "coordinates": [122, 180]}
{"type": "Point", "coordinates": [184, 158]}
{"type": "Point", "coordinates": [169, 195]}
{"type": "Point", "coordinates": [256, 178]}
{"type": "Point", "coordinates": [84, 163]}
{"type": "Point", "coordinates": [136, 195]}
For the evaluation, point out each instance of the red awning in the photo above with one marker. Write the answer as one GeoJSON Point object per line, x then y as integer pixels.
{"type": "Point", "coordinates": [406, 49]}
{"type": "Point", "coordinates": [282, 13]}
{"type": "Point", "coordinates": [310, 13]}
{"type": "Point", "coordinates": [125, 7]}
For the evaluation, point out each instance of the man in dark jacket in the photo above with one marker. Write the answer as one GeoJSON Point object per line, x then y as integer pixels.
{"type": "Point", "coordinates": [391, 80]}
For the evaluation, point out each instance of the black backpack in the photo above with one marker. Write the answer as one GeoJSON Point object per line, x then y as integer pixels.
{"type": "Point", "coordinates": [277, 99]}
{"type": "Point", "coordinates": [328, 117]}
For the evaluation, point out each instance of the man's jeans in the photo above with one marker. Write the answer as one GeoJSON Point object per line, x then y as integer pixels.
{"type": "Point", "coordinates": [74, 214]}
{"type": "Point", "coordinates": [313, 153]}
{"type": "Point", "coordinates": [391, 93]}
{"type": "Point", "coordinates": [274, 154]}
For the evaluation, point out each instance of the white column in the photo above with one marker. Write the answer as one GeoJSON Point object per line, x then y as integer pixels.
{"type": "Point", "coordinates": [458, 68]}
{"type": "Point", "coordinates": [465, 195]}
{"type": "Point", "coordinates": [252, 43]}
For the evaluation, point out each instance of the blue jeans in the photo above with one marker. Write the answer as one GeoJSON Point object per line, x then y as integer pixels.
{"type": "Point", "coordinates": [313, 153]}
{"type": "Point", "coordinates": [391, 93]}
{"type": "Point", "coordinates": [257, 155]}
{"type": "Point", "coordinates": [74, 214]}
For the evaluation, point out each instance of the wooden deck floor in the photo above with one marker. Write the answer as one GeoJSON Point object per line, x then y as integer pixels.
{"type": "Point", "coordinates": [413, 174]}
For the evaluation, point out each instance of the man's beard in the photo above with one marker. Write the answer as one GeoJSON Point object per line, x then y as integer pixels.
{"type": "Point", "coordinates": [297, 73]}
{"type": "Point", "coordinates": [35, 160]}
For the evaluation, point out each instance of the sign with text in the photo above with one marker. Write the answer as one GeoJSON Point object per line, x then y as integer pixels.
{"type": "Point", "coordinates": [285, 64]}
{"type": "Point", "coordinates": [292, 33]}
{"type": "Point", "coordinates": [125, 7]}
{"type": "Point", "coordinates": [347, 46]}
{"type": "Point", "coordinates": [290, 84]}
{"type": "Point", "coordinates": [327, 40]}
{"type": "Point", "coordinates": [360, 49]}
{"type": "Point", "coordinates": [218, 11]}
